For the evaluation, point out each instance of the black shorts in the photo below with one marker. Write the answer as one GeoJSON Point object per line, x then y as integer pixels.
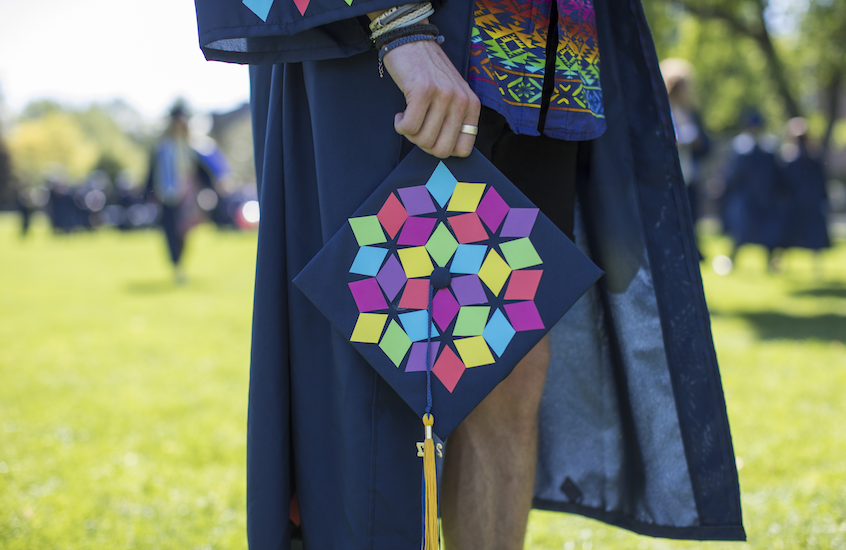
{"type": "Point", "coordinates": [543, 168]}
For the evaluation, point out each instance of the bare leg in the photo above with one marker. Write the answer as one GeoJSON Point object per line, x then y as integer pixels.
{"type": "Point", "coordinates": [489, 466]}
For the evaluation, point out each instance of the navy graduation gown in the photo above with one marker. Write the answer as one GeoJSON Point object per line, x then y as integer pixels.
{"type": "Point", "coordinates": [633, 423]}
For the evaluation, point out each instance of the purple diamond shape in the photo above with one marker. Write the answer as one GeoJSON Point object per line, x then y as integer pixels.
{"type": "Point", "coordinates": [391, 277]}
{"type": "Point", "coordinates": [417, 359]}
{"type": "Point", "coordinates": [444, 308]}
{"type": "Point", "coordinates": [416, 231]}
{"type": "Point", "coordinates": [492, 209]}
{"type": "Point", "coordinates": [519, 222]}
{"type": "Point", "coordinates": [468, 290]}
{"type": "Point", "coordinates": [416, 200]}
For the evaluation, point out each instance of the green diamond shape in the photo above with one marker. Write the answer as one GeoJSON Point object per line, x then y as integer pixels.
{"type": "Point", "coordinates": [395, 343]}
{"type": "Point", "coordinates": [367, 230]}
{"type": "Point", "coordinates": [441, 245]}
{"type": "Point", "coordinates": [520, 253]}
{"type": "Point", "coordinates": [471, 321]}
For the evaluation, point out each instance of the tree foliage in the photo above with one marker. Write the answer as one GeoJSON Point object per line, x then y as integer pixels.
{"type": "Point", "coordinates": [784, 58]}
{"type": "Point", "coordinates": [49, 137]}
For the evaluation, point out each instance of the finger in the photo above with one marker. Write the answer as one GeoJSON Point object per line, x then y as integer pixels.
{"type": "Point", "coordinates": [449, 131]}
{"type": "Point", "coordinates": [465, 142]}
{"type": "Point", "coordinates": [436, 114]}
{"type": "Point", "coordinates": [410, 121]}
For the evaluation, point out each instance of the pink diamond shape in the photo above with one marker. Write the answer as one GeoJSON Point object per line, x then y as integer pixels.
{"type": "Point", "coordinates": [444, 308]}
{"type": "Point", "coordinates": [392, 215]}
{"type": "Point", "coordinates": [523, 284]}
{"type": "Point", "coordinates": [468, 228]}
{"type": "Point", "coordinates": [448, 368]}
{"type": "Point", "coordinates": [415, 295]}
{"type": "Point", "coordinates": [492, 209]}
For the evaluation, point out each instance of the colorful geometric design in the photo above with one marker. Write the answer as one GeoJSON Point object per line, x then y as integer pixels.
{"type": "Point", "coordinates": [391, 277]}
{"type": "Point", "coordinates": [494, 272]}
{"type": "Point", "coordinates": [468, 258]}
{"type": "Point", "coordinates": [519, 222]}
{"type": "Point", "coordinates": [441, 184]}
{"type": "Point", "coordinates": [484, 247]}
{"type": "Point", "coordinates": [471, 321]}
{"type": "Point", "coordinates": [466, 197]}
{"type": "Point", "coordinates": [368, 328]}
{"type": "Point", "coordinates": [395, 343]}
{"type": "Point", "coordinates": [416, 231]}
{"type": "Point", "coordinates": [492, 209]}
{"type": "Point", "coordinates": [468, 290]}
{"type": "Point", "coordinates": [468, 228]}
{"type": "Point", "coordinates": [523, 316]}
{"type": "Point", "coordinates": [441, 245]}
{"type": "Point", "coordinates": [417, 359]}
{"type": "Point", "coordinates": [498, 332]}
{"type": "Point", "coordinates": [415, 295]}
{"type": "Point", "coordinates": [417, 200]}
{"type": "Point", "coordinates": [368, 261]}
{"type": "Point", "coordinates": [523, 284]}
{"type": "Point", "coordinates": [474, 351]}
{"type": "Point", "coordinates": [415, 262]}
{"type": "Point", "coordinates": [416, 325]}
{"type": "Point", "coordinates": [508, 58]}
{"type": "Point", "coordinates": [393, 215]}
{"type": "Point", "coordinates": [367, 230]}
{"type": "Point", "coordinates": [448, 368]}
{"type": "Point", "coordinates": [367, 295]}
{"type": "Point", "coordinates": [520, 253]}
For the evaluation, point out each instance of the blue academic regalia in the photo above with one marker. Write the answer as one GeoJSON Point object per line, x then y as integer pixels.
{"type": "Point", "coordinates": [633, 423]}
{"type": "Point", "coordinates": [806, 225]}
{"type": "Point", "coordinates": [756, 201]}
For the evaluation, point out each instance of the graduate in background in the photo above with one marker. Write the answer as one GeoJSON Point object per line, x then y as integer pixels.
{"type": "Point", "coordinates": [177, 172]}
{"type": "Point", "coordinates": [805, 181]}
{"type": "Point", "coordinates": [756, 201]}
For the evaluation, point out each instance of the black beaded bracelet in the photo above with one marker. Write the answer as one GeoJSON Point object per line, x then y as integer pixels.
{"type": "Point", "coordinates": [390, 36]}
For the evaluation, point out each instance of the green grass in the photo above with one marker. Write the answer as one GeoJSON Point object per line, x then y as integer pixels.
{"type": "Point", "coordinates": [123, 397]}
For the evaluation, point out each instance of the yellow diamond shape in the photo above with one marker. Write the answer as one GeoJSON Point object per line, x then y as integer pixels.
{"type": "Point", "coordinates": [416, 262]}
{"type": "Point", "coordinates": [474, 351]}
{"type": "Point", "coordinates": [368, 328]}
{"type": "Point", "coordinates": [466, 197]}
{"type": "Point", "coordinates": [494, 272]}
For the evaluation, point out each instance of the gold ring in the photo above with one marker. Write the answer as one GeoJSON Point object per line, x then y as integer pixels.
{"type": "Point", "coordinates": [469, 129]}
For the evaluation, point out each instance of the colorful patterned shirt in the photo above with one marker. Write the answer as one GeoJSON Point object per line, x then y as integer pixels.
{"type": "Point", "coordinates": [508, 59]}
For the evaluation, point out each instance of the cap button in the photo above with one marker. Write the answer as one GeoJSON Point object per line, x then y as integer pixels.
{"type": "Point", "coordinates": [440, 277]}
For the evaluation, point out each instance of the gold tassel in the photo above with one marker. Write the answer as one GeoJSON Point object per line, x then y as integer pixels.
{"type": "Point", "coordinates": [431, 540]}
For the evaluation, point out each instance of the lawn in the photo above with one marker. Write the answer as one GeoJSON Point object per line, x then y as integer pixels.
{"type": "Point", "coordinates": [123, 396]}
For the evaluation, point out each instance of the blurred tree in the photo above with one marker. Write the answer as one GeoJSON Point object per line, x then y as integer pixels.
{"type": "Point", "coordinates": [49, 135]}
{"type": "Point", "coordinates": [787, 58]}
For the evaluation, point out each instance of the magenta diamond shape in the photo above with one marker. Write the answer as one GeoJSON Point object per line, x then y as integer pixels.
{"type": "Point", "coordinates": [444, 308]}
{"type": "Point", "coordinates": [416, 231]}
{"type": "Point", "coordinates": [492, 209]}
{"type": "Point", "coordinates": [391, 277]}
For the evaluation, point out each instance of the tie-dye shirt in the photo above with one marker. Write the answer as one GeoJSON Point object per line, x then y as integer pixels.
{"type": "Point", "coordinates": [508, 57]}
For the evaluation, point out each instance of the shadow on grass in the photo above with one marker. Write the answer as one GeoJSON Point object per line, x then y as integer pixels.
{"type": "Point", "coordinates": [823, 292]}
{"type": "Point", "coordinates": [780, 326]}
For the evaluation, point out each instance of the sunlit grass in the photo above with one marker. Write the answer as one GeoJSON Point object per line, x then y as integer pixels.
{"type": "Point", "coordinates": [123, 396]}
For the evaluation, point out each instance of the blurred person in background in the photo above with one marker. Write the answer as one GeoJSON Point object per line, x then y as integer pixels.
{"type": "Point", "coordinates": [804, 178]}
{"type": "Point", "coordinates": [691, 139]}
{"type": "Point", "coordinates": [177, 174]}
{"type": "Point", "coordinates": [755, 203]}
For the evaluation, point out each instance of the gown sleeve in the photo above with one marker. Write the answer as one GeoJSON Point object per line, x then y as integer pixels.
{"type": "Point", "coordinates": [259, 32]}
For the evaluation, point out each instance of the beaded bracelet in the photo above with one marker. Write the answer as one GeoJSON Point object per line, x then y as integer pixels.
{"type": "Point", "coordinates": [401, 42]}
{"type": "Point", "coordinates": [390, 36]}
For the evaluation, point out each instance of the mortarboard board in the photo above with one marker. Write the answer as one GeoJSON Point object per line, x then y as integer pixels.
{"type": "Point", "coordinates": [443, 280]}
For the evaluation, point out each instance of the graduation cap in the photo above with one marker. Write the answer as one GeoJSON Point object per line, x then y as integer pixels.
{"type": "Point", "coordinates": [443, 280]}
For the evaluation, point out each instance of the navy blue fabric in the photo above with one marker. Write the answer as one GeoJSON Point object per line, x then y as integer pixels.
{"type": "Point", "coordinates": [806, 223]}
{"type": "Point", "coordinates": [323, 424]}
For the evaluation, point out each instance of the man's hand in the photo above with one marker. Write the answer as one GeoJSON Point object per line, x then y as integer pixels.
{"type": "Point", "coordinates": [438, 100]}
